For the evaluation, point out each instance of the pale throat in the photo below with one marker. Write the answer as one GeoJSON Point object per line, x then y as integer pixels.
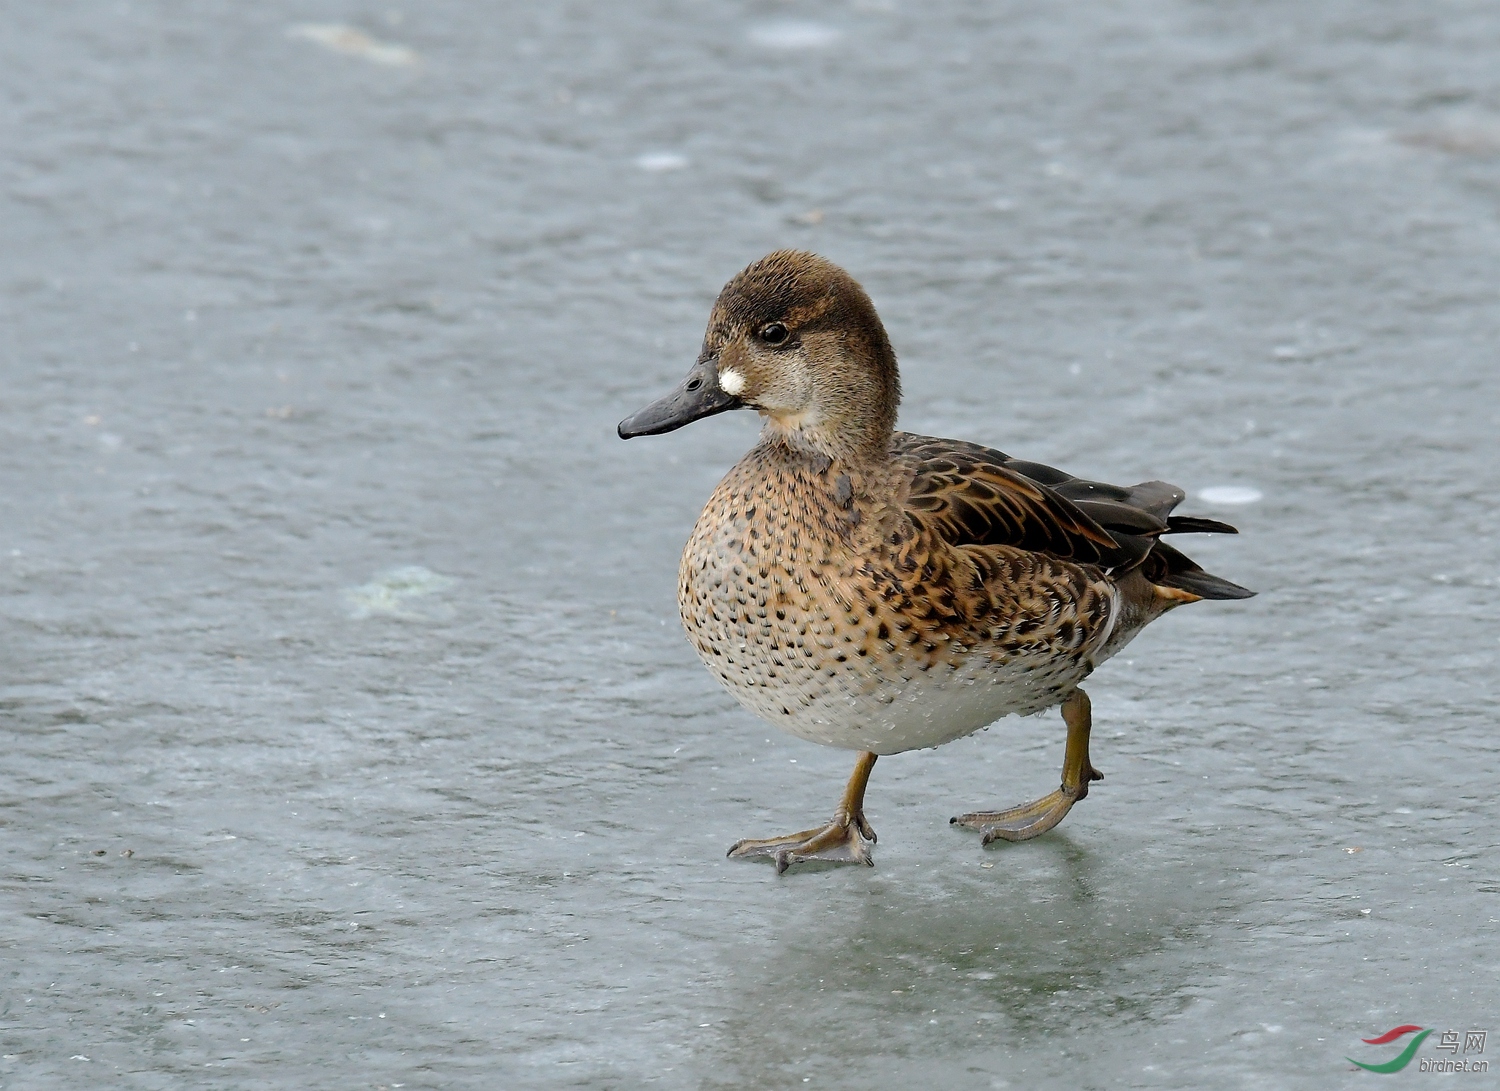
{"type": "Point", "coordinates": [792, 420]}
{"type": "Point", "coordinates": [807, 430]}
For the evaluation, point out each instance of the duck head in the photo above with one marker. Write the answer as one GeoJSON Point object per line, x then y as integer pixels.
{"type": "Point", "coordinates": [795, 338]}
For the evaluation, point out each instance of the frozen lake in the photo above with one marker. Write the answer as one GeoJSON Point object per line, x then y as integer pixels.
{"type": "Point", "coordinates": [351, 739]}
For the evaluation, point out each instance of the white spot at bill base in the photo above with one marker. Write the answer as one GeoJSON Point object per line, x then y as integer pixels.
{"type": "Point", "coordinates": [1230, 494]}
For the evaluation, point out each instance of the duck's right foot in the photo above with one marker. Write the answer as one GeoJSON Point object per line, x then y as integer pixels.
{"type": "Point", "coordinates": [845, 840]}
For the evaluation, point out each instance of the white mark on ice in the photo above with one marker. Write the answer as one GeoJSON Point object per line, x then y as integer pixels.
{"type": "Point", "coordinates": [1230, 494]}
{"type": "Point", "coordinates": [795, 36]}
{"type": "Point", "coordinates": [659, 162]}
{"type": "Point", "coordinates": [355, 43]}
{"type": "Point", "coordinates": [392, 593]}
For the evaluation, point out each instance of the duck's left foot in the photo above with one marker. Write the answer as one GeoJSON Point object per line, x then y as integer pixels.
{"type": "Point", "coordinates": [1024, 822]}
{"type": "Point", "coordinates": [845, 840]}
{"type": "Point", "coordinates": [1040, 815]}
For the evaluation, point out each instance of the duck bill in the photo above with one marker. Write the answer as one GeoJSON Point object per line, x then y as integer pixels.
{"type": "Point", "coordinates": [697, 396]}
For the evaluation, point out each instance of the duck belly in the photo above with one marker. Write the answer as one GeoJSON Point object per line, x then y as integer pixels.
{"type": "Point", "coordinates": [891, 707]}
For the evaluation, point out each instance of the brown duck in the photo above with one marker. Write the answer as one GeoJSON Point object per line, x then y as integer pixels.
{"type": "Point", "coordinates": [881, 591]}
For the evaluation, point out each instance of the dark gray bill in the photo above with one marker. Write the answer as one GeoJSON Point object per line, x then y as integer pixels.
{"type": "Point", "coordinates": [696, 397]}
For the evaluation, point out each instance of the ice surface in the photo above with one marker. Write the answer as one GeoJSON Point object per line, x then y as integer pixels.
{"type": "Point", "coordinates": [657, 162]}
{"type": "Point", "coordinates": [795, 36]}
{"type": "Point", "coordinates": [1230, 494]}
{"type": "Point", "coordinates": [395, 593]}
{"type": "Point", "coordinates": [356, 43]}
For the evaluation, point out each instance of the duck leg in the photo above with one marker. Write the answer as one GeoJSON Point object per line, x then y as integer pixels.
{"type": "Point", "coordinates": [846, 839]}
{"type": "Point", "coordinates": [1040, 815]}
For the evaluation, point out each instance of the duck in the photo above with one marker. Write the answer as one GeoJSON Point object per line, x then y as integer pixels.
{"type": "Point", "coordinates": [879, 591]}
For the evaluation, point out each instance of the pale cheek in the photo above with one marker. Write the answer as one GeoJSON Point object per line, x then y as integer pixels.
{"type": "Point", "coordinates": [731, 382]}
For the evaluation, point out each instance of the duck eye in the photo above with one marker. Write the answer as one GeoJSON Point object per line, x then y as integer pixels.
{"type": "Point", "coordinates": [774, 334]}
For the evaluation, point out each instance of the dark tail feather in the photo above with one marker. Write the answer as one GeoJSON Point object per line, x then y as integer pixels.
{"type": "Point", "coordinates": [1137, 517]}
{"type": "Point", "coordinates": [1169, 568]}
{"type": "Point", "coordinates": [1206, 586]}
{"type": "Point", "coordinates": [1195, 524]}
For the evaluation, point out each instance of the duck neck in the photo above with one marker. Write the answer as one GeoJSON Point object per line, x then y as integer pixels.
{"type": "Point", "coordinates": [846, 443]}
{"type": "Point", "coordinates": [851, 413]}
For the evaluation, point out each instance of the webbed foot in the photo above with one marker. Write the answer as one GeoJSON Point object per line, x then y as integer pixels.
{"type": "Point", "coordinates": [1025, 821]}
{"type": "Point", "coordinates": [1029, 820]}
{"type": "Point", "coordinates": [845, 840]}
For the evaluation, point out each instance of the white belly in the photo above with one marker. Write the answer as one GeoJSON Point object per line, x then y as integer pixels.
{"type": "Point", "coordinates": [926, 709]}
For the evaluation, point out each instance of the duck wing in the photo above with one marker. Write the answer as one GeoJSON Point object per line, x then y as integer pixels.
{"type": "Point", "coordinates": [968, 494]}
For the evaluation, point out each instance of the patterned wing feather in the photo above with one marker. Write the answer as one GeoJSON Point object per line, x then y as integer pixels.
{"type": "Point", "coordinates": [970, 495]}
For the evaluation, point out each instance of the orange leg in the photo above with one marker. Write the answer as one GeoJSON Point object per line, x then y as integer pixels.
{"type": "Point", "coordinates": [1040, 815]}
{"type": "Point", "coordinates": [846, 839]}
